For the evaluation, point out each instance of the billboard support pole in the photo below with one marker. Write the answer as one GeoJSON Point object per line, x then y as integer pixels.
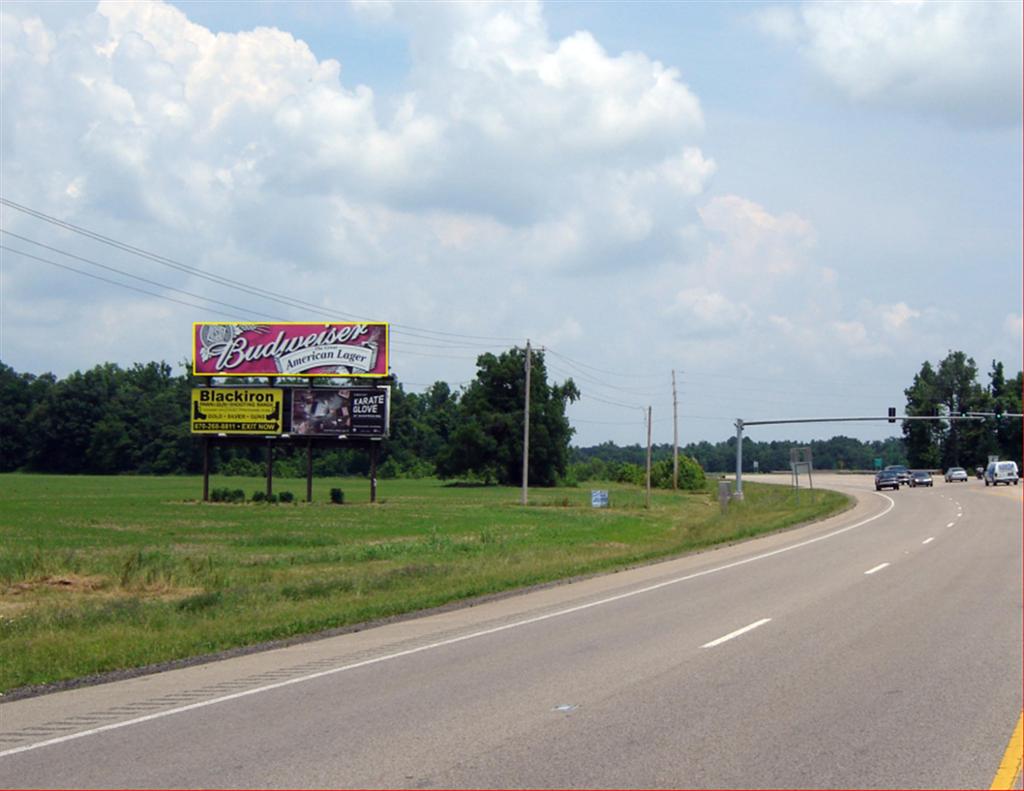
{"type": "Point", "coordinates": [309, 470]}
{"type": "Point", "coordinates": [206, 469]}
{"type": "Point", "coordinates": [270, 467]}
{"type": "Point", "coordinates": [374, 448]}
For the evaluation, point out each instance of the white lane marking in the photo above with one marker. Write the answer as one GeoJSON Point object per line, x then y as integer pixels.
{"type": "Point", "coordinates": [951, 524]}
{"type": "Point", "coordinates": [737, 633]}
{"type": "Point", "coordinates": [879, 567]}
{"type": "Point", "coordinates": [451, 641]}
{"type": "Point", "coordinates": [928, 540]}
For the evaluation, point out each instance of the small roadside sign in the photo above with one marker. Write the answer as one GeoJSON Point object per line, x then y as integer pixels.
{"type": "Point", "coordinates": [599, 498]}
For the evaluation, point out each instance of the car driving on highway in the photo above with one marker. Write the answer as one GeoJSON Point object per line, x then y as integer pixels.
{"type": "Point", "coordinates": [887, 479]}
{"type": "Point", "coordinates": [956, 474]}
{"type": "Point", "coordinates": [999, 472]}
{"type": "Point", "coordinates": [920, 478]}
{"type": "Point", "coordinates": [901, 471]}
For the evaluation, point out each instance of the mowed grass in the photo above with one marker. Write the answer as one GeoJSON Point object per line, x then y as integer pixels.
{"type": "Point", "coordinates": [107, 573]}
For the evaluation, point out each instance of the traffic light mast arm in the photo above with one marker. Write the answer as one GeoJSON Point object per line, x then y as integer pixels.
{"type": "Point", "coordinates": [740, 423]}
{"type": "Point", "coordinates": [969, 416]}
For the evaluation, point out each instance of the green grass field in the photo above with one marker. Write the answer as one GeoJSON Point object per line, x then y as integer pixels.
{"type": "Point", "coordinates": [106, 573]}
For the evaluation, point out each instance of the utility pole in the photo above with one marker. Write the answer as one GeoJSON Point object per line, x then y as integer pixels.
{"type": "Point", "coordinates": [526, 427]}
{"type": "Point", "coordinates": [675, 434]}
{"type": "Point", "coordinates": [647, 500]}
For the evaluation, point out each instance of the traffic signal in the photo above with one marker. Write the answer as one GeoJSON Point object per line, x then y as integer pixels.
{"type": "Point", "coordinates": [892, 414]}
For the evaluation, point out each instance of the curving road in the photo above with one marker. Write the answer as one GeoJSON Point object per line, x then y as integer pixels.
{"type": "Point", "coordinates": [878, 649]}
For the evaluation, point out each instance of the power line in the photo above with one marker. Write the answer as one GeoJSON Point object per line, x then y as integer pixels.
{"type": "Point", "coordinates": [570, 361]}
{"type": "Point", "coordinates": [254, 290]}
{"type": "Point", "coordinates": [114, 282]}
{"type": "Point", "coordinates": [129, 274]}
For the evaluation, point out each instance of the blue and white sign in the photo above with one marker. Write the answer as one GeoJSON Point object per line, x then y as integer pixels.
{"type": "Point", "coordinates": [599, 498]}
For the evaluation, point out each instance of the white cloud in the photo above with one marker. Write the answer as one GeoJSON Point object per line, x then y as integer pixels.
{"type": "Point", "coordinates": [895, 317]}
{"type": "Point", "coordinates": [710, 308]}
{"type": "Point", "coordinates": [748, 241]}
{"type": "Point", "coordinates": [956, 60]}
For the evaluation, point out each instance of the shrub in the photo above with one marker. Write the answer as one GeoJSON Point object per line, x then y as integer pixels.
{"type": "Point", "coordinates": [691, 474]}
{"type": "Point", "coordinates": [337, 496]}
{"type": "Point", "coordinates": [241, 467]}
{"type": "Point", "coordinates": [259, 497]}
{"type": "Point", "coordinates": [286, 497]}
{"type": "Point", "coordinates": [225, 495]}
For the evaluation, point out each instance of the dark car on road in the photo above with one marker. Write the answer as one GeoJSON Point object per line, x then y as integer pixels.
{"type": "Point", "coordinates": [920, 478]}
{"type": "Point", "coordinates": [901, 471]}
{"type": "Point", "coordinates": [887, 479]}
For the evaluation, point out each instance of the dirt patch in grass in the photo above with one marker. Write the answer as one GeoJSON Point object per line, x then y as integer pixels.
{"type": "Point", "coordinates": [72, 583]}
{"type": "Point", "coordinates": [19, 598]}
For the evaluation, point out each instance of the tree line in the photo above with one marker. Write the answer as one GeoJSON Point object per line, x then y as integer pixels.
{"type": "Point", "coordinates": [110, 420]}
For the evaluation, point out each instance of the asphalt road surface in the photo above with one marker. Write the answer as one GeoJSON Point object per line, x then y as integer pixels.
{"type": "Point", "coordinates": [878, 649]}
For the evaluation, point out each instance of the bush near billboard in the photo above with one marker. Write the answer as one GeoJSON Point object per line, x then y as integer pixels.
{"type": "Point", "coordinates": [290, 349]}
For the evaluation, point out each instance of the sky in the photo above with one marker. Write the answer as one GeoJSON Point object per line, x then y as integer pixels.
{"type": "Point", "coordinates": [791, 206]}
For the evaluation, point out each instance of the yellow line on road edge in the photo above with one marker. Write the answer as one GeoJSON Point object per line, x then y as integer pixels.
{"type": "Point", "coordinates": [1010, 767]}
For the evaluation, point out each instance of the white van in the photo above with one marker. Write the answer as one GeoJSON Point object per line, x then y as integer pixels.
{"type": "Point", "coordinates": [1001, 472]}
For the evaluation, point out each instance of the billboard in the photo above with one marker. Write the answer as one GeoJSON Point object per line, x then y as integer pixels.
{"type": "Point", "coordinates": [289, 349]}
{"type": "Point", "coordinates": [335, 412]}
{"type": "Point", "coordinates": [237, 410]}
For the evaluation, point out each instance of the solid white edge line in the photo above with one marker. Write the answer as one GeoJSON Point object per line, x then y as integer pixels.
{"type": "Point", "coordinates": [928, 540]}
{"type": "Point", "coordinates": [737, 633]}
{"type": "Point", "coordinates": [441, 643]}
{"type": "Point", "coordinates": [879, 567]}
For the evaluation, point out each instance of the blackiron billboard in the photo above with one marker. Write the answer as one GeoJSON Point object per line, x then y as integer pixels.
{"type": "Point", "coordinates": [340, 412]}
{"type": "Point", "coordinates": [237, 410]}
{"type": "Point", "coordinates": [290, 349]}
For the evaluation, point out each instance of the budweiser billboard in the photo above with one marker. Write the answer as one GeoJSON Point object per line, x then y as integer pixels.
{"type": "Point", "coordinates": [290, 349]}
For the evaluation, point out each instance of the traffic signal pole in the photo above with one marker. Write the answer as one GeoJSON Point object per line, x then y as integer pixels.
{"type": "Point", "coordinates": [891, 418]}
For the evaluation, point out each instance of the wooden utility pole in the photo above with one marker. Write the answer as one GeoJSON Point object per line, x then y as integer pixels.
{"type": "Point", "coordinates": [647, 503]}
{"type": "Point", "coordinates": [526, 427]}
{"type": "Point", "coordinates": [675, 434]}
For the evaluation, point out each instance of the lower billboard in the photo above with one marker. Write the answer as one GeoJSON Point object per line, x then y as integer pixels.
{"type": "Point", "coordinates": [337, 412]}
{"type": "Point", "coordinates": [237, 410]}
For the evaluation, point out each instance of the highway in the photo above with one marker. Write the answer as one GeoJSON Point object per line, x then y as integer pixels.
{"type": "Point", "coordinates": [878, 649]}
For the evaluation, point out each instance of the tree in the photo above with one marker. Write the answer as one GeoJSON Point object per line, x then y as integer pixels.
{"type": "Point", "coordinates": [18, 394]}
{"type": "Point", "coordinates": [488, 440]}
{"type": "Point", "coordinates": [1005, 398]}
{"type": "Point", "coordinates": [920, 435]}
{"type": "Point", "coordinates": [958, 391]}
